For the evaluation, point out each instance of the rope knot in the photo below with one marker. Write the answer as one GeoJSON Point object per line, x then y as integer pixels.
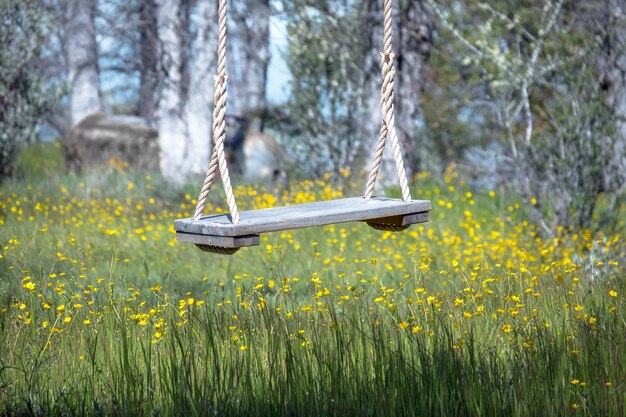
{"type": "Point", "coordinates": [387, 57]}
{"type": "Point", "coordinates": [220, 80]}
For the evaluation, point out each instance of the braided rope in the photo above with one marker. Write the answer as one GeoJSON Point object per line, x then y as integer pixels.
{"type": "Point", "coordinates": [218, 158]}
{"type": "Point", "coordinates": [388, 126]}
{"type": "Point", "coordinates": [387, 130]}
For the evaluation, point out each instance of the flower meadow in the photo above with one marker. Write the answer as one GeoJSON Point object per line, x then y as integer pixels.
{"type": "Point", "coordinates": [475, 313]}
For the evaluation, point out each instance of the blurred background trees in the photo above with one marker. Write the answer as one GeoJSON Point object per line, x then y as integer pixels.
{"type": "Point", "coordinates": [529, 96]}
{"type": "Point", "coordinates": [26, 96]}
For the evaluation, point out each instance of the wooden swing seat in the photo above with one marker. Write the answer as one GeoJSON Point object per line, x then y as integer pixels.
{"type": "Point", "coordinates": [225, 234]}
{"type": "Point", "coordinates": [217, 233]}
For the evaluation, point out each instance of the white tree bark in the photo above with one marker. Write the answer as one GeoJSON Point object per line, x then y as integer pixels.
{"type": "Point", "coordinates": [81, 52]}
{"type": "Point", "coordinates": [173, 138]}
{"type": "Point", "coordinates": [201, 91]}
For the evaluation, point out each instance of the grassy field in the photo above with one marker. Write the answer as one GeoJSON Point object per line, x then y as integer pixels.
{"type": "Point", "coordinates": [472, 314]}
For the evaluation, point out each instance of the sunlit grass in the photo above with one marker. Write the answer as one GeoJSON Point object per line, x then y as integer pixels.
{"type": "Point", "coordinates": [474, 313]}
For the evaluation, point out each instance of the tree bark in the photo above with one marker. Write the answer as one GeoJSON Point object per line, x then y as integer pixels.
{"type": "Point", "coordinates": [201, 86]}
{"type": "Point", "coordinates": [251, 18]}
{"type": "Point", "coordinates": [173, 139]}
{"type": "Point", "coordinates": [414, 41]}
{"type": "Point", "coordinates": [81, 52]}
{"type": "Point", "coordinates": [149, 55]}
{"type": "Point", "coordinates": [614, 68]}
{"type": "Point", "coordinates": [184, 19]}
{"type": "Point", "coordinates": [373, 18]}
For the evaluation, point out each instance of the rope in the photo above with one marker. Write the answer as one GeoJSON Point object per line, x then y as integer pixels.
{"type": "Point", "coordinates": [218, 158]}
{"type": "Point", "coordinates": [388, 126]}
{"type": "Point", "coordinates": [387, 129]}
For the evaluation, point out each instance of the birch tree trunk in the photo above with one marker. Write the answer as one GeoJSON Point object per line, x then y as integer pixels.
{"type": "Point", "coordinates": [201, 87]}
{"type": "Point", "coordinates": [173, 139]}
{"type": "Point", "coordinates": [252, 19]}
{"type": "Point", "coordinates": [149, 55]}
{"type": "Point", "coordinates": [81, 52]}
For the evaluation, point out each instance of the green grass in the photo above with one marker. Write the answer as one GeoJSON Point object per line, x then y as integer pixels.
{"type": "Point", "coordinates": [473, 314]}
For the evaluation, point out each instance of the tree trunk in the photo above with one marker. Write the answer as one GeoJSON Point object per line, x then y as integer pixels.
{"type": "Point", "coordinates": [81, 52]}
{"type": "Point", "coordinates": [173, 139]}
{"type": "Point", "coordinates": [373, 18]}
{"type": "Point", "coordinates": [614, 68]}
{"type": "Point", "coordinates": [251, 18]}
{"type": "Point", "coordinates": [149, 55]}
{"type": "Point", "coordinates": [412, 41]}
{"type": "Point", "coordinates": [184, 19]}
{"type": "Point", "coordinates": [201, 87]}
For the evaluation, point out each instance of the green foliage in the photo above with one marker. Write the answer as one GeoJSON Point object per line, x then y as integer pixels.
{"type": "Point", "coordinates": [569, 159]}
{"type": "Point", "coordinates": [531, 76]}
{"type": "Point", "coordinates": [24, 95]}
{"type": "Point", "coordinates": [39, 161]}
{"type": "Point", "coordinates": [327, 110]}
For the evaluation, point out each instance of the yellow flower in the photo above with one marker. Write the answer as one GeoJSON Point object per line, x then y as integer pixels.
{"type": "Point", "coordinates": [404, 325]}
{"type": "Point", "coordinates": [67, 319]}
{"type": "Point", "coordinates": [613, 293]}
{"type": "Point", "coordinates": [575, 381]}
{"type": "Point", "coordinates": [30, 286]}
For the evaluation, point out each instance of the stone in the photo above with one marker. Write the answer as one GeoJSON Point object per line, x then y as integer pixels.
{"type": "Point", "coordinates": [264, 159]}
{"type": "Point", "coordinates": [100, 139]}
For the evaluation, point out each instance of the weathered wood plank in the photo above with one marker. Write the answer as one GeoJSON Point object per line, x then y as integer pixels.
{"type": "Point", "coordinates": [219, 241]}
{"type": "Point", "coordinates": [303, 215]}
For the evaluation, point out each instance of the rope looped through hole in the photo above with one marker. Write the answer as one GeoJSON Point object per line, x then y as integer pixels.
{"type": "Point", "coordinates": [217, 249]}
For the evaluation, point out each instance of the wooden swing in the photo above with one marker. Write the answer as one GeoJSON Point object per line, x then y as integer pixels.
{"type": "Point", "coordinates": [227, 233]}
